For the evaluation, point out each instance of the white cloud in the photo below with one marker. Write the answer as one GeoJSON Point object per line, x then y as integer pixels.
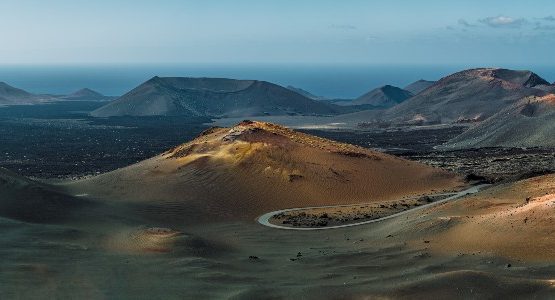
{"type": "Point", "coordinates": [503, 22]}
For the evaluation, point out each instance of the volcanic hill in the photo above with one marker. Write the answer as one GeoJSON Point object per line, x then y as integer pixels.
{"type": "Point", "coordinates": [467, 96]}
{"type": "Point", "coordinates": [241, 172]}
{"type": "Point", "coordinates": [419, 86]}
{"type": "Point", "coordinates": [528, 123]}
{"type": "Point", "coordinates": [305, 93]}
{"type": "Point", "coordinates": [212, 97]}
{"type": "Point", "coordinates": [10, 95]}
{"type": "Point", "coordinates": [383, 97]}
{"type": "Point", "coordinates": [85, 94]}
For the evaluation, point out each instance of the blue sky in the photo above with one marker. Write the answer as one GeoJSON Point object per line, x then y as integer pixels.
{"type": "Point", "coordinates": [493, 32]}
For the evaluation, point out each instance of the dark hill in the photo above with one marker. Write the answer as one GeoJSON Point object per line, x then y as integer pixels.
{"type": "Point", "coordinates": [212, 97]}
{"type": "Point", "coordinates": [305, 93]}
{"type": "Point", "coordinates": [470, 95]}
{"type": "Point", "coordinates": [385, 96]}
{"type": "Point", "coordinates": [528, 123]}
{"type": "Point", "coordinates": [419, 86]}
{"type": "Point", "coordinates": [10, 95]}
{"type": "Point", "coordinates": [85, 94]}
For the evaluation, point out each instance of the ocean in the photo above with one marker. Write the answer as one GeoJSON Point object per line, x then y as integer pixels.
{"type": "Point", "coordinates": [332, 81]}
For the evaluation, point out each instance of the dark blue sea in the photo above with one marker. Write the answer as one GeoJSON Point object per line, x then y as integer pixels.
{"type": "Point", "coordinates": [333, 81]}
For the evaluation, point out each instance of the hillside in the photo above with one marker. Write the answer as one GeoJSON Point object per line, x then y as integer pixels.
{"type": "Point", "coordinates": [516, 218]}
{"type": "Point", "coordinates": [547, 88]}
{"type": "Point", "coordinates": [10, 95]}
{"type": "Point", "coordinates": [419, 86]}
{"type": "Point", "coordinates": [212, 97]}
{"type": "Point", "coordinates": [85, 95]}
{"type": "Point", "coordinates": [30, 201]}
{"type": "Point", "coordinates": [305, 93]}
{"type": "Point", "coordinates": [384, 97]}
{"type": "Point", "coordinates": [528, 123]}
{"type": "Point", "coordinates": [241, 172]}
{"type": "Point", "coordinates": [467, 96]}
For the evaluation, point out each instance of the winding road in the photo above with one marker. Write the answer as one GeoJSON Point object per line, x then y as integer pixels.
{"type": "Point", "coordinates": [265, 218]}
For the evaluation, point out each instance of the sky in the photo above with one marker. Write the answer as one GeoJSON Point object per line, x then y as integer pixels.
{"type": "Point", "coordinates": [493, 33]}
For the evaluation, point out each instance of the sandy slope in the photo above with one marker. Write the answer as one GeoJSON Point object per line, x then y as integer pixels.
{"type": "Point", "coordinates": [137, 249]}
{"type": "Point", "coordinates": [426, 254]}
{"type": "Point", "coordinates": [515, 220]}
{"type": "Point", "coordinates": [30, 201]}
{"type": "Point", "coordinates": [256, 167]}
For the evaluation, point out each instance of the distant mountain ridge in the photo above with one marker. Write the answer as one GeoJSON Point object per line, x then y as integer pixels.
{"type": "Point", "coordinates": [418, 86]}
{"type": "Point", "coordinates": [212, 97]}
{"type": "Point", "coordinates": [85, 94]}
{"type": "Point", "coordinates": [10, 95]}
{"type": "Point", "coordinates": [474, 94]}
{"type": "Point", "coordinates": [384, 97]}
{"type": "Point", "coordinates": [528, 123]}
{"type": "Point", "coordinates": [306, 93]}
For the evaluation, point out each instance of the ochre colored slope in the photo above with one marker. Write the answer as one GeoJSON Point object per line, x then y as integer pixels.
{"type": "Point", "coordinates": [257, 167]}
{"type": "Point", "coordinates": [515, 220]}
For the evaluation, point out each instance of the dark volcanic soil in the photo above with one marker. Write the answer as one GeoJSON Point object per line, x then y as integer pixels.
{"type": "Point", "coordinates": [490, 164]}
{"type": "Point", "coordinates": [395, 141]}
{"type": "Point", "coordinates": [349, 214]}
{"type": "Point", "coordinates": [494, 164]}
{"type": "Point", "coordinates": [60, 141]}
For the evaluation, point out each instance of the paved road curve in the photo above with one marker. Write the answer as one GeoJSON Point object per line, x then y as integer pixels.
{"type": "Point", "coordinates": [265, 218]}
